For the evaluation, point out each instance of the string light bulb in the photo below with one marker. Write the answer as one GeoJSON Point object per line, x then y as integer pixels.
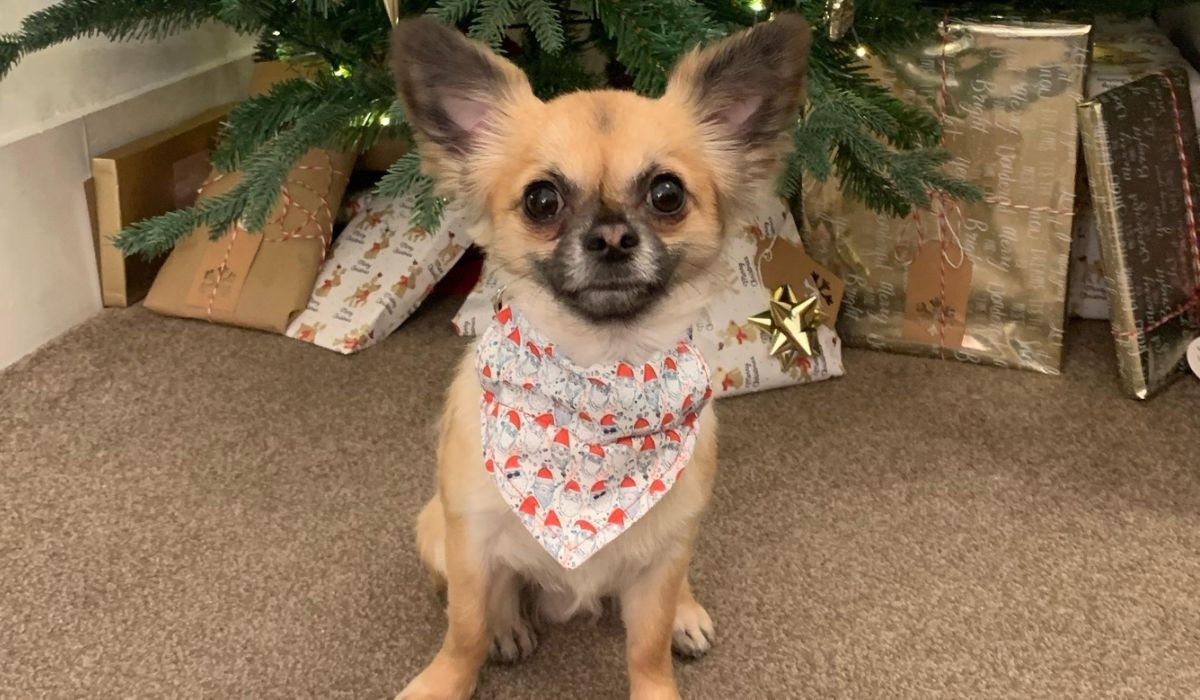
{"type": "Point", "coordinates": [343, 71]}
{"type": "Point", "coordinates": [861, 51]}
{"type": "Point", "coordinates": [385, 120]}
{"type": "Point", "coordinates": [757, 5]}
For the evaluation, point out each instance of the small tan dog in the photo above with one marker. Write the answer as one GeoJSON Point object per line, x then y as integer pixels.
{"type": "Point", "coordinates": [604, 214]}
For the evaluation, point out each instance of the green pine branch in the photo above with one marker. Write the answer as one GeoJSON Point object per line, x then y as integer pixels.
{"type": "Point", "coordinates": [118, 20]}
{"type": "Point", "coordinates": [650, 36]}
{"type": "Point", "coordinates": [546, 24]}
{"type": "Point", "coordinates": [453, 11]}
{"type": "Point", "coordinates": [493, 21]}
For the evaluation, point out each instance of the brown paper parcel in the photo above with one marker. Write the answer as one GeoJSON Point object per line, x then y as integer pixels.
{"type": "Point", "coordinates": [257, 279]}
{"type": "Point", "coordinates": [1006, 95]}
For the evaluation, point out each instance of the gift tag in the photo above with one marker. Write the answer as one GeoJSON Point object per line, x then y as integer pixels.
{"type": "Point", "coordinates": [939, 285]}
{"type": "Point", "coordinates": [223, 271]}
{"type": "Point", "coordinates": [1194, 356]}
{"type": "Point", "coordinates": [787, 263]}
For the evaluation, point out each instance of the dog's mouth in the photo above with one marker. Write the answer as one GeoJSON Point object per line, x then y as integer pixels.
{"type": "Point", "coordinates": [608, 302]}
{"type": "Point", "coordinates": [614, 293]}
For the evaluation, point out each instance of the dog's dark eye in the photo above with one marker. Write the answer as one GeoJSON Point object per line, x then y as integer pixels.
{"type": "Point", "coordinates": [666, 194]}
{"type": "Point", "coordinates": [542, 201]}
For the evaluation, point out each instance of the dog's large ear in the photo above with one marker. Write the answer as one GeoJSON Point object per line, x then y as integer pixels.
{"type": "Point", "coordinates": [454, 90]}
{"type": "Point", "coordinates": [747, 89]}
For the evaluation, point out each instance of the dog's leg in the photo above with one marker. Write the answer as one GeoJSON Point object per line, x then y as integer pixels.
{"type": "Point", "coordinates": [648, 608]}
{"type": "Point", "coordinates": [693, 632]}
{"type": "Point", "coordinates": [454, 671]}
{"type": "Point", "coordinates": [431, 540]}
{"type": "Point", "coordinates": [513, 638]}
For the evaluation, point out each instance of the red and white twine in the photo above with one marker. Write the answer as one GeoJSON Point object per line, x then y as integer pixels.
{"type": "Point", "coordinates": [322, 216]}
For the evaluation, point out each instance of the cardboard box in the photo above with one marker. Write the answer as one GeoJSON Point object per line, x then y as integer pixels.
{"type": "Point", "coordinates": [148, 177]}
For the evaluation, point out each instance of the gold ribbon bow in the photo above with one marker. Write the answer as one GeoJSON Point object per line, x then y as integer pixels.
{"type": "Point", "coordinates": [792, 325]}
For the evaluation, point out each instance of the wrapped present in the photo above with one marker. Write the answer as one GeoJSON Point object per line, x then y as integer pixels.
{"type": "Point", "coordinates": [1122, 51]}
{"type": "Point", "coordinates": [1143, 164]}
{"type": "Point", "coordinates": [983, 282]}
{"type": "Point", "coordinates": [763, 256]}
{"type": "Point", "coordinates": [382, 267]}
{"type": "Point", "coordinates": [150, 176]}
{"type": "Point", "coordinates": [257, 279]}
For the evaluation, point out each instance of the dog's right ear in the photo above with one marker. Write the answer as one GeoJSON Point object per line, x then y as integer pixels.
{"type": "Point", "coordinates": [455, 91]}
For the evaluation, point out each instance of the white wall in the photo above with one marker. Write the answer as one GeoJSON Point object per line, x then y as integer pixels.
{"type": "Point", "coordinates": [57, 109]}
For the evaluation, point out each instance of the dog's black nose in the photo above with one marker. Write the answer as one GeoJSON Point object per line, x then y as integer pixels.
{"type": "Point", "coordinates": [611, 240]}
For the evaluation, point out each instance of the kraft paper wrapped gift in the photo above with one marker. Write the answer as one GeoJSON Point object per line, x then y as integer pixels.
{"type": "Point", "coordinates": [1144, 171]}
{"type": "Point", "coordinates": [983, 282]}
{"type": "Point", "coordinates": [762, 255]}
{"type": "Point", "coordinates": [257, 279]}
{"type": "Point", "coordinates": [150, 176]}
{"type": "Point", "coordinates": [380, 270]}
{"type": "Point", "coordinates": [1122, 51]}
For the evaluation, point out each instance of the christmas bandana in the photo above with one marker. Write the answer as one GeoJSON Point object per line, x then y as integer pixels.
{"type": "Point", "coordinates": [581, 454]}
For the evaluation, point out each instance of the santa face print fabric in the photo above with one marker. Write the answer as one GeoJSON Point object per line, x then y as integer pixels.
{"type": "Point", "coordinates": [581, 453]}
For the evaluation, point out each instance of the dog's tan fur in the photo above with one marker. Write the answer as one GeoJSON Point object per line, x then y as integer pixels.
{"type": "Point", "coordinates": [468, 537]}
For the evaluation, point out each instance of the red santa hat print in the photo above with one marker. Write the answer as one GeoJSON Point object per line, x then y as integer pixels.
{"type": "Point", "coordinates": [529, 506]}
{"type": "Point", "coordinates": [504, 315]}
{"type": "Point", "coordinates": [552, 520]}
{"type": "Point", "coordinates": [617, 518]}
{"type": "Point", "coordinates": [545, 420]}
{"type": "Point", "coordinates": [648, 373]}
{"type": "Point", "coordinates": [515, 419]}
{"type": "Point", "coordinates": [624, 371]}
{"type": "Point", "coordinates": [585, 526]}
{"type": "Point", "coordinates": [562, 438]}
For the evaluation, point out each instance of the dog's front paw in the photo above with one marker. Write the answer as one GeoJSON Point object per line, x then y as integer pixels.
{"type": "Point", "coordinates": [436, 684]}
{"type": "Point", "coordinates": [693, 634]}
{"type": "Point", "coordinates": [513, 641]}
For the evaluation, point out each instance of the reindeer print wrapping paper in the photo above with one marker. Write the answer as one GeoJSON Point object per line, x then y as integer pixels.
{"type": "Point", "coordinates": [738, 353]}
{"type": "Point", "coordinates": [581, 453]}
{"type": "Point", "coordinates": [1006, 96]}
{"type": "Point", "coordinates": [380, 270]}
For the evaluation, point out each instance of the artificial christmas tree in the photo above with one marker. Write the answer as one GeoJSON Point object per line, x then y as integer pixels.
{"type": "Point", "coordinates": [883, 150]}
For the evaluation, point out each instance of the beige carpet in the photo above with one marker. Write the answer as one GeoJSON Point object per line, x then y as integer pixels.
{"type": "Point", "coordinates": [196, 511]}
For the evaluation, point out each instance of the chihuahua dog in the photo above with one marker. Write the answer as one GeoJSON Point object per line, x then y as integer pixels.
{"type": "Point", "coordinates": [604, 213]}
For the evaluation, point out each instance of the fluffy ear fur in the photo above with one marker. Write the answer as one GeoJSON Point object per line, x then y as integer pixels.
{"type": "Point", "coordinates": [747, 90]}
{"type": "Point", "coordinates": [455, 92]}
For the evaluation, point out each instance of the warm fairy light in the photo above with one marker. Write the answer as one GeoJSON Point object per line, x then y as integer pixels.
{"type": "Point", "coordinates": [343, 71]}
{"type": "Point", "coordinates": [385, 120]}
{"type": "Point", "coordinates": [861, 52]}
{"type": "Point", "coordinates": [757, 5]}
{"type": "Point", "coordinates": [275, 33]}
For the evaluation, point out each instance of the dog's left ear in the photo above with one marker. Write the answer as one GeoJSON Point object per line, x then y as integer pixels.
{"type": "Point", "coordinates": [747, 89]}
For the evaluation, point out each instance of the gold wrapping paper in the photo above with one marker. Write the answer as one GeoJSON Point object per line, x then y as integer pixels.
{"type": "Point", "coordinates": [1139, 142]}
{"type": "Point", "coordinates": [982, 282]}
